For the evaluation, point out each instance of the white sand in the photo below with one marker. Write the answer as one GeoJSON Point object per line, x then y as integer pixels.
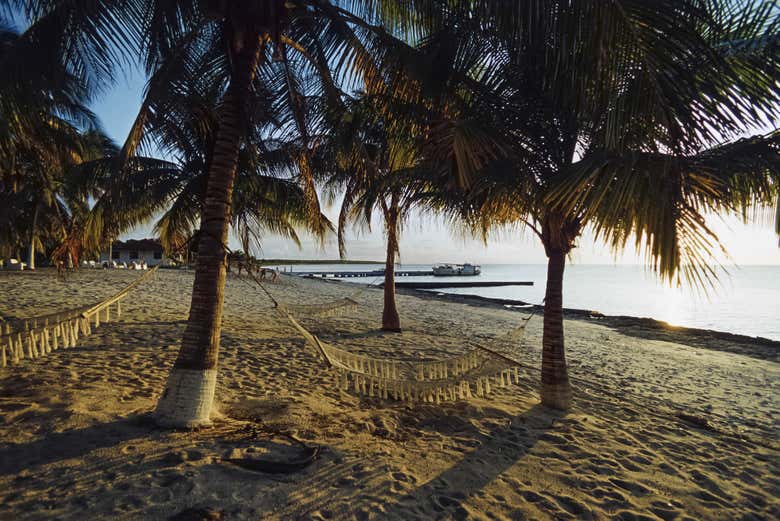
{"type": "Point", "coordinates": [75, 442]}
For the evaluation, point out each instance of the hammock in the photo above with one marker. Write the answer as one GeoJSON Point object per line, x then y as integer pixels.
{"type": "Point", "coordinates": [43, 334]}
{"type": "Point", "coordinates": [475, 372]}
{"type": "Point", "coordinates": [332, 308]}
{"type": "Point", "coordinates": [328, 309]}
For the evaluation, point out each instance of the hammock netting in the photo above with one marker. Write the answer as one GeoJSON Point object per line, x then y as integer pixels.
{"type": "Point", "coordinates": [331, 309]}
{"type": "Point", "coordinates": [476, 372]}
{"type": "Point", "coordinates": [40, 335]}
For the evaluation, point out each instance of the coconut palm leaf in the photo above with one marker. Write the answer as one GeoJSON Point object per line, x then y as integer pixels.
{"type": "Point", "coordinates": [662, 200]}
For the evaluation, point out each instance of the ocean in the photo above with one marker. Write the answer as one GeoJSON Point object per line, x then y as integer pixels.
{"type": "Point", "coordinates": [745, 301]}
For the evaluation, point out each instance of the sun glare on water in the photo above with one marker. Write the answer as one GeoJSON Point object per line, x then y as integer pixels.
{"type": "Point", "coordinates": [673, 305]}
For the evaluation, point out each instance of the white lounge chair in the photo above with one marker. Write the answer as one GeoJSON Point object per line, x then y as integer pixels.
{"type": "Point", "coordinates": [15, 265]}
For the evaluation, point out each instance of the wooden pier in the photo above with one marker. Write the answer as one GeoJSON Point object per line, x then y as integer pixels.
{"type": "Point", "coordinates": [352, 274]}
{"type": "Point", "coordinates": [472, 282]}
{"type": "Point", "coordinates": [459, 284]}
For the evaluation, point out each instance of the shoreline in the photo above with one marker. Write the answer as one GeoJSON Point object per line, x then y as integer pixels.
{"type": "Point", "coordinates": [643, 327]}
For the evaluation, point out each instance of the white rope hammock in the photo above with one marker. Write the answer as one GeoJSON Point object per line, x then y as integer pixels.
{"type": "Point", "coordinates": [39, 336]}
{"type": "Point", "coordinates": [338, 307]}
{"type": "Point", "coordinates": [475, 372]}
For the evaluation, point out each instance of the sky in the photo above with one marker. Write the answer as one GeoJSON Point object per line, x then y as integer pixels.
{"type": "Point", "coordinates": [427, 240]}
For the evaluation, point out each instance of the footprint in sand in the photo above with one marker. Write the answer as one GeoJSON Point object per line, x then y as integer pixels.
{"type": "Point", "coordinates": [708, 484]}
{"type": "Point", "coordinates": [668, 469]}
{"type": "Point", "coordinates": [711, 498]}
{"type": "Point", "coordinates": [755, 500]}
{"type": "Point", "coordinates": [664, 511]}
{"type": "Point", "coordinates": [627, 515]}
{"type": "Point", "coordinates": [600, 493]}
{"type": "Point", "coordinates": [635, 488]}
{"type": "Point", "coordinates": [574, 507]}
{"type": "Point", "coordinates": [641, 460]}
{"type": "Point", "coordinates": [531, 496]}
{"type": "Point", "coordinates": [403, 477]}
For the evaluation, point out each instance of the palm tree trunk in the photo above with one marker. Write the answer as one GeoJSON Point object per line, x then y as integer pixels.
{"type": "Point", "coordinates": [556, 389]}
{"type": "Point", "coordinates": [189, 392]}
{"type": "Point", "coordinates": [31, 254]}
{"type": "Point", "coordinates": [390, 319]}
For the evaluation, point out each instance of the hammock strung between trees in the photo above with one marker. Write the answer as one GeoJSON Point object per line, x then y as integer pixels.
{"type": "Point", "coordinates": [46, 333]}
{"type": "Point", "coordinates": [475, 372]}
{"type": "Point", "coordinates": [335, 308]}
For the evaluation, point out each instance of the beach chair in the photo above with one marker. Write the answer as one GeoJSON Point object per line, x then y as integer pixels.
{"type": "Point", "coordinates": [15, 265]}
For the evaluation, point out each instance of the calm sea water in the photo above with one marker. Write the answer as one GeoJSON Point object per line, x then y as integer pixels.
{"type": "Point", "coordinates": [746, 301]}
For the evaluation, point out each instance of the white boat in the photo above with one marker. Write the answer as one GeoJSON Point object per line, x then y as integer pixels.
{"type": "Point", "coordinates": [456, 270]}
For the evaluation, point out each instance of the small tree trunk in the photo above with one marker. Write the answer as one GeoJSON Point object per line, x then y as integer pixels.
{"type": "Point", "coordinates": [556, 389]}
{"type": "Point", "coordinates": [390, 319]}
{"type": "Point", "coordinates": [31, 254]}
{"type": "Point", "coordinates": [189, 392]}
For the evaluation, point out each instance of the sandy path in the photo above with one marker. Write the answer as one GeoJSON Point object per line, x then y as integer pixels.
{"type": "Point", "coordinates": [75, 442]}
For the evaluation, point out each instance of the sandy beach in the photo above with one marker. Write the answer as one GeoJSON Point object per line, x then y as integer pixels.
{"type": "Point", "coordinates": [665, 425]}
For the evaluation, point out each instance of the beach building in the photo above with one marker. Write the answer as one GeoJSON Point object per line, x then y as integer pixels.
{"type": "Point", "coordinates": [149, 251]}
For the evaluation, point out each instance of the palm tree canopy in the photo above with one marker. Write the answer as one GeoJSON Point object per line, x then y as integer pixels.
{"type": "Point", "coordinates": [183, 126]}
{"type": "Point", "coordinates": [585, 111]}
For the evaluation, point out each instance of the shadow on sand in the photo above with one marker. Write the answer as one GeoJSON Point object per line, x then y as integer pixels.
{"type": "Point", "coordinates": [363, 490]}
{"type": "Point", "coordinates": [75, 443]}
{"type": "Point", "coordinates": [442, 497]}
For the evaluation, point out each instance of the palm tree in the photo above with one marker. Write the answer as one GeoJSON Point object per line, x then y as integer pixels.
{"type": "Point", "coordinates": [46, 196]}
{"type": "Point", "coordinates": [366, 152]}
{"type": "Point", "coordinates": [619, 116]}
{"type": "Point", "coordinates": [40, 140]}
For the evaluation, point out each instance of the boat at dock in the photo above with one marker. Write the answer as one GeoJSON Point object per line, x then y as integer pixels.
{"type": "Point", "coordinates": [456, 270]}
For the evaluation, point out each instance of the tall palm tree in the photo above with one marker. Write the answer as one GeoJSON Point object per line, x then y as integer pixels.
{"type": "Point", "coordinates": [621, 116]}
{"type": "Point", "coordinates": [40, 140]}
{"type": "Point", "coordinates": [366, 152]}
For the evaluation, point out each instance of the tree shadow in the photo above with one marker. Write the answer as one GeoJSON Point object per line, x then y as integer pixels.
{"type": "Point", "coordinates": [371, 333]}
{"type": "Point", "coordinates": [500, 449]}
{"type": "Point", "coordinates": [161, 323]}
{"type": "Point", "coordinates": [74, 443]}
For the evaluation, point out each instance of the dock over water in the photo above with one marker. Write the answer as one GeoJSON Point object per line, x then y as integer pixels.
{"type": "Point", "coordinates": [459, 284]}
{"type": "Point", "coordinates": [351, 274]}
{"type": "Point", "coordinates": [472, 282]}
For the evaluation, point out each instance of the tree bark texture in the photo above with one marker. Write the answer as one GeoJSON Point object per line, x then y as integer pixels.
{"type": "Point", "coordinates": [390, 318]}
{"type": "Point", "coordinates": [188, 397]}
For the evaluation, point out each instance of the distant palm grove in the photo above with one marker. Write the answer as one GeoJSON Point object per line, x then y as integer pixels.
{"type": "Point", "coordinates": [635, 119]}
